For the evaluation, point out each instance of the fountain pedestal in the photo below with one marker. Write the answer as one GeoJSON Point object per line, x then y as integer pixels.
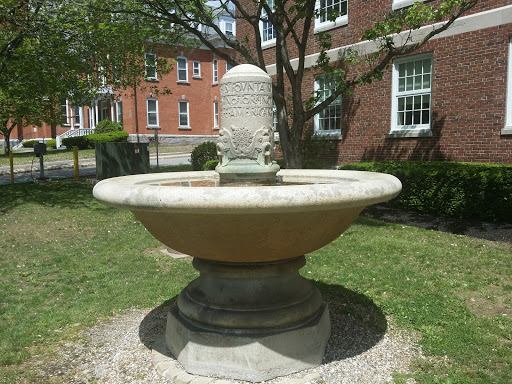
{"type": "Point", "coordinates": [248, 321]}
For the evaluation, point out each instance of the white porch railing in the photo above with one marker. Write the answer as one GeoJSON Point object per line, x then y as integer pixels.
{"type": "Point", "coordinates": [73, 133]}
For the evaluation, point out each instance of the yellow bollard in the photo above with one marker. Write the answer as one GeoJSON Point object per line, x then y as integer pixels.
{"type": "Point", "coordinates": [11, 163]}
{"type": "Point", "coordinates": [75, 160]}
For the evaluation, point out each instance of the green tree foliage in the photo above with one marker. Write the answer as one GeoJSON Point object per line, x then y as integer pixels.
{"type": "Point", "coordinates": [293, 21]}
{"type": "Point", "coordinates": [53, 50]}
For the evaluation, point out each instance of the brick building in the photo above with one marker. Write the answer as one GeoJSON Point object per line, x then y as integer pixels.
{"type": "Point", "coordinates": [188, 114]}
{"type": "Point", "coordinates": [451, 100]}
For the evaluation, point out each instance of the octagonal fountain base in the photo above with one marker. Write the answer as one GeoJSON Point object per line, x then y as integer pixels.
{"type": "Point", "coordinates": [248, 321]}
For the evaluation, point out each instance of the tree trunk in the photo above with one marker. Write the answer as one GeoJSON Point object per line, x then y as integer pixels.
{"type": "Point", "coordinates": [292, 147]}
{"type": "Point", "coordinates": [7, 140]}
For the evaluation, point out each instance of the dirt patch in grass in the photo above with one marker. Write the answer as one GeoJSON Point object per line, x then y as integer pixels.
{"type": "Point", "coordinates": [489, 303]}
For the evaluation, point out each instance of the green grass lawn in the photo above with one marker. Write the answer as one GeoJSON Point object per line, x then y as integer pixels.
{"type": "Point", "coordinates": [68, 262]}
{"type": "Point", "coordinates": [23, 157]}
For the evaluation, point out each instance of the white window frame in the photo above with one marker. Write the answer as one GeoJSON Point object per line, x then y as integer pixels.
{"type": "Point", "coordinates": [119, 111]}
{"type": "Point", "coordinates": [266, 43]}
{"type": "Point", "coordinates": [327, 24]}
{"type": "Point", "coordinates": [412, 129]}
{"type": "Point", "coordinates": [152, 66]}
{"type": "Point", "coordinates": [337, 103]}
{"type": "Point", "coordinates": [507, 130]}
{"type": "Point", "coordinates": [215, 115]}
{"type": "Point", "coordinates": [187, 114]}
{"type": "Point", "coordinates": [398, 4]}
{"type": "Point", "coordinates": [104, 115]}
{"type": "Point", "coordinates": [76, 115]}
{"type": "Point", "coordinates": [196, 69]}
{"type": "Point", "coordinates": [149, 125]}
{"type": "Point", "coordinates": [180, 70]}
{"type": "Point", "coordinates": [64, 121]}
{"type": "Point", "coordinates": [215, 71]}
{"type": "Point", "coordinates": [229, 31]}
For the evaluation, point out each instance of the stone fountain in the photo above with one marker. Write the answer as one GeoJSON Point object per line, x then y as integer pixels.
{"type": "Point", "coordinates": [249, 315]}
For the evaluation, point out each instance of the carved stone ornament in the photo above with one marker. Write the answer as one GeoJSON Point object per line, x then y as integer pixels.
{"type": "Point", "coordinates": [240, 142]}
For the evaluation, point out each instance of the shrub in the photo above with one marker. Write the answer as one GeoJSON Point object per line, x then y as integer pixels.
{"type": "Point", "coordinates": [202, 153]}
{"type": "Point", "coordinates": [29, 143]}
{"type": "Point", "coordinates": [469, 190]}
{"type": "Point", "coordinates": [77, 141]}
{"type": "Point", "coordinates": [105, 126]}
{"type": "Point", "coordinates": [51, 143]}
{"type": "Point", "coordinates": [117, 137]}
{"type": "Point", "coordinates": [210, 165]}
{"type": "Point", "coordinates": [88, 141]}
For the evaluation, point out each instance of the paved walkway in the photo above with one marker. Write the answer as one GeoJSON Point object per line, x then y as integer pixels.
{"type": "Point", "coordinates": [87, 167]}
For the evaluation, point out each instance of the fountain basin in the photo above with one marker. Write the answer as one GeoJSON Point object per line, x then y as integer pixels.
{"type": "Point", "coordinates": [190, 213]}
{"type": "Point", "coordinates": [250, 314]}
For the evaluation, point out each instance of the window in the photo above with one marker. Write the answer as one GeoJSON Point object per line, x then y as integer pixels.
{"type": "Point", "coordinates": [397, 4]}
{"type": "Point", "coordinates": [152, 113]}
{"type": "Point", "coordinates": [182, 69]}
{"type": "Point", "coordinates": [268, 32]}
{"type": "Point", "coordinates": [330, 14]}
{"type": "Point", "coordinates": [508, 119]}
{"type": "Point", "coordinates": [77, 115]}
{"type": "Point", "coordinates": [412, 82]}
{"type": "Point", "coordinates": [196, 69]}
{"type": "Point", "coordinates": [328, 121]}
{"type": "Point", "coordinates": [228, 66]}
{"type": "Point", "coordinates": [215, 115]}
{"type": "Point", "coordinates": [64, 117]}
{"type": "Point", "coordinates": [183, 114]}
{"type": "Point", "coordinates": [119, 115]}
{"type": "Point", "coordinates": [215, 72]}
{"type": "Point", "coordinates": [103, 110]}
{"type": "Point", "coordinates": [229, 28]}
{"type": "Point", "coordinates": [150, 63]}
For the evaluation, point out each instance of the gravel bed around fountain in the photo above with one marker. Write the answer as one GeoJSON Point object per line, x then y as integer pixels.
{"type": "Point", "coordinates": [364, 348]}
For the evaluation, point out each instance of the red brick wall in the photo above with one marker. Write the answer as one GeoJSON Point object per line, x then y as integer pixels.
{"type": "Point", "coordinates": [200, 93]}
{"type": "Point", "coordinates": [468, 96]}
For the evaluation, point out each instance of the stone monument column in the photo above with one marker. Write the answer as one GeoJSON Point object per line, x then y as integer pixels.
{"type": "Point", "coordinates": [246, 138]}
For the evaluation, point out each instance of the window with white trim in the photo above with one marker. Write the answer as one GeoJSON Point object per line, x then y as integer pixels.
{"type": "Point", "coordinates": [397, 4]}
{"type": "Point", "coordinates": [64, 113]}
{"type": "Point", "coordinates": [150, 66]}
{"type": "Point", "coordinates": [215, 114]}
{"type": "Point", "coordinates": [152, 113]}
{"type": "Point", "coordinates": [183, 114]}
{"type": "Point", "coordinates": [228, 66]}
{"type": "Point", "coordinates": [330, 14]}
{"type": "Point", "coordinates": [268, 32]}
{"type": "Point", "coordinates": [119, 111]}
{"type": "Point", "coordinates": [182, 69]}
{"type": "Point", "coordinates": [508, 119]}
{"type": "Point", "coordinates": [412, 93]}
{"type": "Point", "coordinates": [327, 121]}
{"type": "Point", "coordinates": [103, 110]}
{"type": "Point", "coordinates": [77, 115]}
{"type": "Point", "coordinates": [229, 28]}
{"type": "Point", "coordinates": [215, 71]}
{"type": "Point", "coordinates": [196, 69]}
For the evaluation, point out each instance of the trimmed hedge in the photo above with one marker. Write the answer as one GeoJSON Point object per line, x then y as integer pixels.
{"type": "Point", "coordinates": [88, 141]}
{"type": "Point", "coordinates": [29, 143]}
{"type": "Point", "coordinates": [466, 190]}
{"type": "Point", "coordinates": [52, 143]}
{"type": "Point", "coordinates": [202, 153]}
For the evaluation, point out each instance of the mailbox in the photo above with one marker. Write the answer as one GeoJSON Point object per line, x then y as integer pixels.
{"type": "Point", "coordinates": [39, 149]}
